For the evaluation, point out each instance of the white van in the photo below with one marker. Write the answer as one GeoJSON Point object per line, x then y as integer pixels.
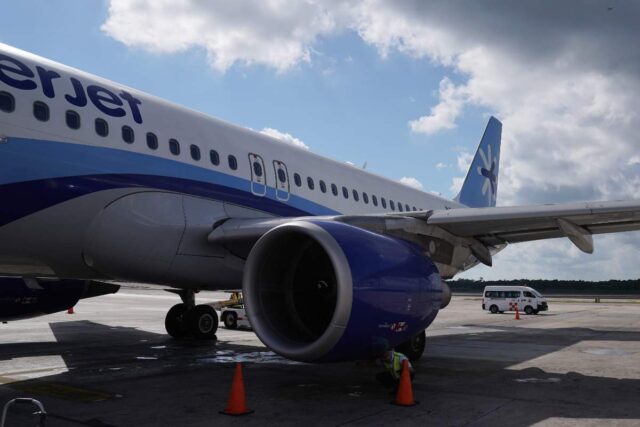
{"type": "Point", "coordinates": [498, 299]}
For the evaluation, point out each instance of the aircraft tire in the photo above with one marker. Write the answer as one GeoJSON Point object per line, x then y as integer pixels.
{"type": "Point", "coordinates": [202, 321]}
{"type": "Point", "coordinates": [174, 322]}
{"type": "Point", "coordinates": [414, 348]}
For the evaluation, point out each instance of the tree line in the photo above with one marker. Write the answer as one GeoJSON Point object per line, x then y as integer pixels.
{"type": "Point", "coordinates": [608, 287]}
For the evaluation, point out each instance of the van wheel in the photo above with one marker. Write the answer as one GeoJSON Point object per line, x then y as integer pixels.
{"type": "Point", "coordinates": [493, 309]}
{"type": "Point", "coordinates": [528, 309]}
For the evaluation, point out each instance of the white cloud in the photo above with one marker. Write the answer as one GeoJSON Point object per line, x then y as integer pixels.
{"type": "Point", "coordinates": [444, 114]}
{"type": "Point", "coordinates": [568, 95]}
{"type": "Point", "coordinates": [441, 165]}
{"type": "Point", "coordinates": [411, 182]}
{"type": "Point", "coordinates": [284, 137]}
{"type": "Point", "coordinates": [275, 33]}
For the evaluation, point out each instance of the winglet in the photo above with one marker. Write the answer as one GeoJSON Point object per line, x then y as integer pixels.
{"type": "Point", "coordinates": [480, 186]}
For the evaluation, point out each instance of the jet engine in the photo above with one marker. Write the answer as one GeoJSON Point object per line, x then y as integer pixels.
{"type": "Point", "coordinates": [319, 291]}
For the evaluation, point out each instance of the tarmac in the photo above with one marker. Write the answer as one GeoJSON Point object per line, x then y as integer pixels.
{"type": "Point", "coordinates": [111, 364]}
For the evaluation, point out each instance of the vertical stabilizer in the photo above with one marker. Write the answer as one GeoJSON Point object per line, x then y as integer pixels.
{"type": "Point", "coordinates": [480, 187]}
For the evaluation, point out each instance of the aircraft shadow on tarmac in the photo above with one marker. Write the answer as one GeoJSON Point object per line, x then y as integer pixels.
{"type": "Point", "coordinates": [473, 369]}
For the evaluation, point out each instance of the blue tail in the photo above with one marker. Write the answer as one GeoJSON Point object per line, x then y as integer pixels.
{"type": "Point", "coordinates": [480, 187]}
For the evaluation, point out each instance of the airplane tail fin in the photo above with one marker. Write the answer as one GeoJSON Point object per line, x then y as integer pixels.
{"type": "Point", "coordinates": [480, 186]}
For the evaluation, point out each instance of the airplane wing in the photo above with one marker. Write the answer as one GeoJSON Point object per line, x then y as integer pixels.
{"type": "Point", "coordinates": [479, 229]}
{"type": "Point", "coordinates": [577, 221]}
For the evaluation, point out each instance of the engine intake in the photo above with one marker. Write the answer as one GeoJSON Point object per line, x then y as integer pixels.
{"type": "Point", "coordinates": [326, 291]}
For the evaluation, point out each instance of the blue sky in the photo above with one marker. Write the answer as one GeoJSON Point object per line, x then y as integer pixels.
{"type": "Point", "coordinates": [348, 103]}
{"type": "Point", "coordinates": [349, 77]}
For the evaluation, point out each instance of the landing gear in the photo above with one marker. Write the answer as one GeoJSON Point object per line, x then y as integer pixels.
{"type": "Point", "coordinates": [188, 319]}
{"type": "Point", "coordinates": [414, 348]}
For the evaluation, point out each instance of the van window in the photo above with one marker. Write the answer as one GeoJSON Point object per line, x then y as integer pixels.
{"type": "Point", "coordinates": [529, 294]}
{"type": "Point", "coordinates": [7, 102]}
{"type": "Point", "coordinates": [73, 119]}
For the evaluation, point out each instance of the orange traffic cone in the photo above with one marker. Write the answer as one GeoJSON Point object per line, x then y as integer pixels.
{"type": "Point", "coordinates": [404, 397]}
{"type": "Point", "coordinates": [70, 310]}
{"type": "Point", "coordinates": [237, 404]}
{"type": "Point", "coordinates": [517, 314]}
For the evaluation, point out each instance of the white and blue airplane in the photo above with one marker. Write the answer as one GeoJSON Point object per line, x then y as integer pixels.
{"type": "Point", "coordinates": [101, 184]}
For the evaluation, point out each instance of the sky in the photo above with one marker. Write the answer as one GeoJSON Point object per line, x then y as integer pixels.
{"type": "Point", "coordinates": [406, 86]}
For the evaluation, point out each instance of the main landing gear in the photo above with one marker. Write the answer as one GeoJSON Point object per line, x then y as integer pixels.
{"type": "Point", "coordinates": [188, 319]}
{"type": "Point", "coordinates": [414, 347]}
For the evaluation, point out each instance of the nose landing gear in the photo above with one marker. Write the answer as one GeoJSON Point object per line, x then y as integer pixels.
{"type": "Point", "coordinates": [188, 319]}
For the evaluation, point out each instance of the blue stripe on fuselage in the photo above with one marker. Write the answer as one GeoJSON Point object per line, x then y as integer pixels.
{"type": "Point", "coordinates": [37, 174]}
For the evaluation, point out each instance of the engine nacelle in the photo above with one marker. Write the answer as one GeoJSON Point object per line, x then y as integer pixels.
{"type": "Point", "coordinates": [24, 298]}
{"type": "Point", "coordinates": [319, 291]}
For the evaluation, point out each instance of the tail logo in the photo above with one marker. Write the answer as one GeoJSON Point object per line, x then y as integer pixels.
{"type": "Point", "coordinates": [488, 171]}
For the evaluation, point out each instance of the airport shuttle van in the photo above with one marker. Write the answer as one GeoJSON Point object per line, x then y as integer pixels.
{"type": "Point", "coordinates": [498, 299]}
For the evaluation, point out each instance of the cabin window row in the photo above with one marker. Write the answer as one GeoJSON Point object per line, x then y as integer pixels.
{"type": "Point", "coordinates": [42, 113]}
{"type": "Point", "coordinates": [297, 179]}
{"type": "Point", "coordinates": [72, 118]}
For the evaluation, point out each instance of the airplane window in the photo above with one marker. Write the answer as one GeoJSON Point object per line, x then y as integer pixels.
{"type": "Point", "coordinates": [334, 189]}
{"type": "Point", "coordinates": [345, 192]}
{"type": "Point", "coordinates": [384, 202]}
{"type": "Point", "coordinates": [406, 208]}
{"type": "Point", "coordinates": [233, 162]}
{"type": "Point", "coordinates": [392, 205]}
{"type": "Point", "coordinates": [152, 141]}
{"type": "Point", "coordinates": [7, 102]}
{"type": "Point", "coordinates": [297, 179]}
{"type": "Point", "coordinates": [374, 199]}
{"type": "Point", "coordinates": [214, 157]}
{"type": "Point", "coordinates": [257, 169]}
{"type": "Point", "coordinates": [323, 186]}
{"type": "Point", "coordinates": [102, 127]}
{"type": "Point", "coordinates": [310, 183]}
{"type": "Point", "coordinates": [282, 176]}
{"type": "Point", "coordinates": [400, 207]}
{"type": "Point", "coordinates": [195, 152]}
{"type": "Point", "coordinates": [365, 197]}
{"type": "Point", "coordinates": [127, 135]}
{"type": "Point", "coordinates": [41, 111]}
{"type": "Point", "coordinates": [73, 119]}
{"type": "Point", "coordinates": [414, 208]}
{"type": "Point", "coordinates": [174, 146]}
{"type": "Point", "coordinates": [355, 195]}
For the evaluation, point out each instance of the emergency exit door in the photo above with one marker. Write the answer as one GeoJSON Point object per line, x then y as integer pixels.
{"type": "Point", "coordinates": [282, 180]}
{"type": "Point", "coordinates": [258, 176]}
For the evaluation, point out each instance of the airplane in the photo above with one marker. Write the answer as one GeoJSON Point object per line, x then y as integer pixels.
{"type": "Point", "coordinates": [101, 183]}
